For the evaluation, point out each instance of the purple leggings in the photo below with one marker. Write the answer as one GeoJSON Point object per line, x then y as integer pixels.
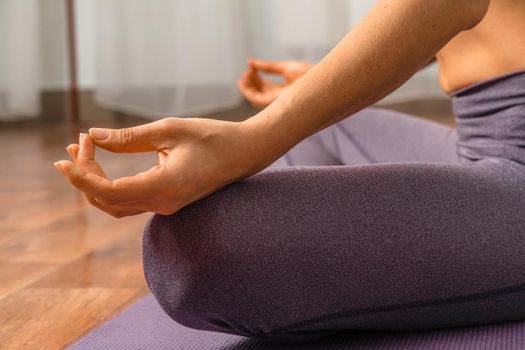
{"type": "Point", "coordinates": [381, 222]}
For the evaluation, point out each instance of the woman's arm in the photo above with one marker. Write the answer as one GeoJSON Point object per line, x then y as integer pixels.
{"type": "Point", "coordinates": [261, 92]}
{"type": "Point", "coordinates": [388, 46]}
{"type": "Point", "coordinates": [200, 156]}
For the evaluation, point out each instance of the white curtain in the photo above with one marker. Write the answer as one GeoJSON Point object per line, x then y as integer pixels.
{"type": "Point", "coordinates": [19, 59]}
{"type": "Point", "coordinates": [182, 57]}
{"type": "Point", "coordinates": [160, 57]}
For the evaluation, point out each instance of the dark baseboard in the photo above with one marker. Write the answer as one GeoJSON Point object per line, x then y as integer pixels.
{"type": "Point", "coordinates": [55, 107]}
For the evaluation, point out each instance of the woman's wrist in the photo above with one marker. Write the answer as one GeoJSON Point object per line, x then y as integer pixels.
{"type": "Point", "coordinates": [269, 136]}
{"type": "Point", "coordinates": [257, 147]}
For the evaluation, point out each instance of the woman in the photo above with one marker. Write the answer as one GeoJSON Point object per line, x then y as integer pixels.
{"type": "Point", "coordinates": [404, 233]}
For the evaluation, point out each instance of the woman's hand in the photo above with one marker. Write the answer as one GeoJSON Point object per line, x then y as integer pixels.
{"type": "Point", "coordinates": [261, 92]}
{"type": "Point", "coordinates": [196, 157]}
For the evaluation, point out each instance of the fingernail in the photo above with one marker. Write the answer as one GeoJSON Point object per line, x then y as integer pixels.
{"type": "Point", "coordinates": [59, 167]}
{"type": "Point", "coordinates": [70, 152]}
{"type": "Point", "coordinates": [99, 134]}
{"type": "Point", "coordinates": [81, 138]}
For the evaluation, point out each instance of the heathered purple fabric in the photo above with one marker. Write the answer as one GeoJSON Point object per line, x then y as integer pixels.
{"type": "Point", "coordinates": [492, 124]}
{"type": "Point", "coordinates": [394, 231]}
{"type": "Point", "coordinates": [401, 233]}
{"type": "Point", "coordinates": [145, 326]}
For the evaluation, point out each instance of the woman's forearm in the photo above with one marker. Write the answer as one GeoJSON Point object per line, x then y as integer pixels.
{"type": "Point", "coordinates": [388, 46]}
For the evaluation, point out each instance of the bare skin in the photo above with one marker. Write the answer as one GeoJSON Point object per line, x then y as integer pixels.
{"type": "Point", "coordinates": [200, 156]}
{"type": "Point", "coordinates": [494, 47]}
{"type": "Point", "coordinates": [261, 92]}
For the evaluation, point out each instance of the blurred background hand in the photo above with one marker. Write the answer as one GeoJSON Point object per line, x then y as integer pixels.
{"type": "Point", "coordinates": [260, 92]}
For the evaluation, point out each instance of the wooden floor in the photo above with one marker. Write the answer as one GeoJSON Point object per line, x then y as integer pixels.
{"type": "Point", "coordinates": [65, 267]}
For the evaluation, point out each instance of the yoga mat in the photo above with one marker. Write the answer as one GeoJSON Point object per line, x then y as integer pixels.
{"type": "Point", "coordinates": [145, 326]}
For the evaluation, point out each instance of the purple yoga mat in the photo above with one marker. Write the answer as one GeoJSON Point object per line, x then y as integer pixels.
{"type": "Point", "coordinates": [145, 326]}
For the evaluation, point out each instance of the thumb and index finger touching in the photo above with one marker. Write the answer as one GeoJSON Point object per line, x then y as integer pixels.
{"type": "Point", "coordinates": [251, 80]}
{"type": "Point", "coordinates": [142, 138]}
{"type": "Point", "coordinates": [268, 66]}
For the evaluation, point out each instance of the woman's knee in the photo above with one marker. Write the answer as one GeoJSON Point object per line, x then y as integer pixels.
{"type": "Point", "coordinates": [177, 261]}
{"type": "Point", "coordinates": [198, 286]}
{"type": "Point", "coordinates": [202, 302]}
{"type": "Point", "coordinates": [192, 267]}
{"type": "Point", "coordinates": [167, 271]}
{"type": "Point", "coordinates": [206, 264]}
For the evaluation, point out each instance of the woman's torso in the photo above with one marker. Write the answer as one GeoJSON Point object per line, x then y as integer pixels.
{"type": "Point", "coordinates": [494, 47]}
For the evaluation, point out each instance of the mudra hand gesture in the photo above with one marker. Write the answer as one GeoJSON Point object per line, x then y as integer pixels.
{"type": "Point", "coordinates": [195, 157]}
{"type": "Point", "coordinates": [261, 92]}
